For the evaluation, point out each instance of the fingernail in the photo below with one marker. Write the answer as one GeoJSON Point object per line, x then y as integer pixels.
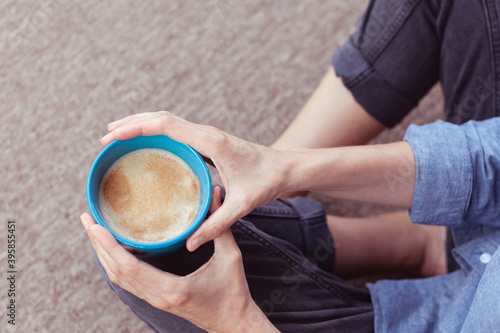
{"type": "Point", "coordinates": [107, 137]}
{"type": "Point", "coordinates": [114, 123]}
{"type": "Point", "coordinates": [198, 242]}
{"type": "Point", "coordinates": [84, 221]}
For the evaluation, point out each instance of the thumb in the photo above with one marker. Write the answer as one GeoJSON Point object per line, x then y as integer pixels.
{"type": "Point", "coordinates": [225, 243]}
{"type": "Point", "coordinates": [215, 203]}
{"type": "Point", "coordinates": [215, 225]}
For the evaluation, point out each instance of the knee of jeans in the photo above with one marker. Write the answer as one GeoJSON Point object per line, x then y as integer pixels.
{"type": "Point", "coordinates": [275, 209]}
{"type": "Point", "coordinates": [307, 208]}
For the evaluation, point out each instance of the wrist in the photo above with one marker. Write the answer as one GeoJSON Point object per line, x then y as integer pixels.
{"type": "Point", "coordinates": [254, 321]}
{"type": "Point", "coordinates": [305, 169]}
{"type": "Point", "coordinates": [287, 174]}
{"type": "Point", "coordinates": [248, 319]}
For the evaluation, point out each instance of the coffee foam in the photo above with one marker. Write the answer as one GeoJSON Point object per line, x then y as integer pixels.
{"type": "Point", "coordinates": [149, 196]}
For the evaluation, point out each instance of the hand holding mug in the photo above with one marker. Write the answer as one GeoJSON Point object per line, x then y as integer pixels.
{"type": "Point", "coordinates": [220, 281]}
{"type": "Point", "coordinates": [252, 175]}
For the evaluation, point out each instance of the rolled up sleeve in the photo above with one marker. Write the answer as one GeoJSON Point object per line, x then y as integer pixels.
{"type": "Point", "coordinates": [392, 59]}
{"type": "Point", "coordinates": [457, 173]}
{"type": "Point", "coordinates": [370, 88]}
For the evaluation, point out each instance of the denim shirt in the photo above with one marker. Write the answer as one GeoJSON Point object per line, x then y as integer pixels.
{"type": "Point", "coordinates": [457, 185]}
{"type": "Point", "coordinates": [401, 48]}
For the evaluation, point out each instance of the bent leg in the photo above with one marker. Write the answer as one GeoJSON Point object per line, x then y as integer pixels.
{"type": "Point", "coordinates": [387, 243]}
{"type": "Point", "coordinates": [295, 293]}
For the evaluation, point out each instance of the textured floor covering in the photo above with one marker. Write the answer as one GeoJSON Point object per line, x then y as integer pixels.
{"type": "Point", "coordinates": [68, 68]}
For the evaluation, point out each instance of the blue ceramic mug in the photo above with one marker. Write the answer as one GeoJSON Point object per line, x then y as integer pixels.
{"type": "Point", "coordinates": [117, 149]}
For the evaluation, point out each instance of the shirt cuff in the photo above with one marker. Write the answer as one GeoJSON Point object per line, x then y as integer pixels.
{"type": "Point", "coordinates": [368, 87]}
{"type": "Point", "coordinates": [443, 173]}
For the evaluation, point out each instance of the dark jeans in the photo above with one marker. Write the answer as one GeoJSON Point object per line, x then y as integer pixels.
{"type": "Point", "coordinates": [288, 255]}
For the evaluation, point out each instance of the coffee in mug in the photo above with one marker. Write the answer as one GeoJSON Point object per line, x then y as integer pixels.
{"type": "Point", "coordinates": [149, 195]}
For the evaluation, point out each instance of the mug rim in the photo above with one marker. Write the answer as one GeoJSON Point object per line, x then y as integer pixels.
{"type": "Point", "coordinates": [166, 243]}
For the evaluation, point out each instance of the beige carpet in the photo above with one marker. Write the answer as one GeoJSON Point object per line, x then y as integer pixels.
{"type": "Point", "coordinates": [68, 68]}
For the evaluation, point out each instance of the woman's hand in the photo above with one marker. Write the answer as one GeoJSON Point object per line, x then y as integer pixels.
{"type": "Point", "coordinates": [215, 297]}
{"type": "Point", "coordinates": [252, 175]}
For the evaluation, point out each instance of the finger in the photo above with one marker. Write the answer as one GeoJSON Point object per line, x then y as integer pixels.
{"type": "Point", "coordinates": [124, 120]}
{"type": "Point", "coordinates": [112, 251]}
{"type": "Point", "coordinates": [124, 275]}
{"type": "Point", "coordinates": [133, 275]}
{"type": "Point", "coordinates": [87, 220]}
{"type": "Point", "coordinates": [224, 246]}
{"type": "Point", "coordinates": [97, 235]}
{"type": "Point", "coordinates": [107, 139]}
{"type": "Point", "coordinates": [216, 199]}
{"type": "Point", "coordinates": [129, 120]}
{"type": "Point", "coordinates": [89, 224]}
{"type": "Point", "coordinates": [226, 243]}
{"type": "Point", "coordinates": [215, 225]}
{"type": "Point", "coordinates": [109, 248]}
{"type": "Point", "coordinates": [136, 276]}
{"type": "Point", "coordinates": [110, 137]}
{"type": "Point", "coordinates": [165, 123]}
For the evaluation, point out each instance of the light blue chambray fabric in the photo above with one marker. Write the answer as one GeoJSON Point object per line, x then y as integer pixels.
{"type": "Point", "coordinates": [457, 185]}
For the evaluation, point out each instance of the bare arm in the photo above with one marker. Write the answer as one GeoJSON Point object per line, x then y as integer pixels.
{"type": "Point", "coordinates": [330, 118]}
{"type": "Point", "coordinates": [253, 175]}
{"type": "Point", "coordinates": [382, 174]}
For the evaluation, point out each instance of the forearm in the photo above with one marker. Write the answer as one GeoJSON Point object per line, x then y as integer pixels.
{"type": "Point", "coordinates": [382, 174]}
{"type": "Point", "coordinates": [330, 118]}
